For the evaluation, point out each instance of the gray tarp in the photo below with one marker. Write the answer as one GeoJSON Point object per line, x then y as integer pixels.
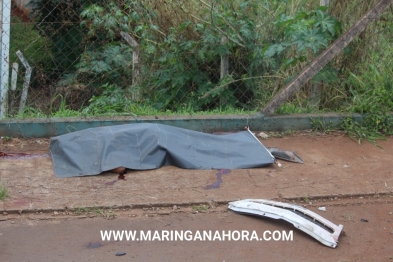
{"type": "Point", "coordinates": [150, 146]}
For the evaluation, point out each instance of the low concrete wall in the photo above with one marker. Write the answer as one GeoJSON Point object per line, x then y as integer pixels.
{"type": "Point", "coordinates": [49, 127]}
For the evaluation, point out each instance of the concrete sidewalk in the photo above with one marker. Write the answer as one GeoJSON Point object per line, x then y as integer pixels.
{"type": "Point", "coordinates": [334, 166]}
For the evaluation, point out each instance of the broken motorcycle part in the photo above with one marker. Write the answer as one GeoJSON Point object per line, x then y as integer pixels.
{"type": "Point", "coordinates": [285, 155]}
{"type": "Point", "coordinates": [307, 221]}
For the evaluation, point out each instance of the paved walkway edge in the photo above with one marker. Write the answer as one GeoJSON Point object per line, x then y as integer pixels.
{"type": "Point", "coordinates": [192, 203]}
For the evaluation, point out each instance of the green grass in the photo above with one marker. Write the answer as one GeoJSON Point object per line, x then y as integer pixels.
{"type": "Point", "coordinates": [364, 80]}
{"type": "Point", "coordinates": [134, 110]}
{"type": "Point", "coordinates": [3, 192]}
{"type": "Point", "coordinates": [291, 108]}
{"type": "Point", "coordinates": [95, 211]}
{"type": "Point", "coordinates": [81, 210]}
{"type": "Point", "coordinates": [200, 207]}
{"type": "Point", "coordinates": [372, 128]}
{"type": "Point", "coordinates": [318, 125]}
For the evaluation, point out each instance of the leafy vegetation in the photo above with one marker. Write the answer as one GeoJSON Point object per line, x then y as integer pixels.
{"type": "Point", "coordinates": [57, 20]}
{"type": "Point", "coordinates": [371, 91]}
{"type": "Point", "coordinates": [308, 32]}
{"type": "Point", "coordinates": [373, 127]}
{"type": "Point", "coordinates": [29, 42]}
{"type": "Point", "coordinates": [318, 125]}
{"type": "Point", "coordinates": [112, 100]}
{"type": "Point", "coordinates": [34, 48]}
{"type": "Point", "coordinates": [130, 109]}
{"type": "Point", "coordinates": [181, 43]}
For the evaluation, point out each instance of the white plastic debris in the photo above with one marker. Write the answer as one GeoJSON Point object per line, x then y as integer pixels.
{"type": "Point", "coordinates": [322, 208]}
{"type": "Point", "coordinates": [305, 220]}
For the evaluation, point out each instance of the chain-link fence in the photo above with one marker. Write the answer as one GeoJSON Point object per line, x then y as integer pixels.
{"type": "Point", "coordinates": [65, 58]}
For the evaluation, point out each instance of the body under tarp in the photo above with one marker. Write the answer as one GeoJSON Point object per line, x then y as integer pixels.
{"type": "Point", "coordinates": [149, 146]}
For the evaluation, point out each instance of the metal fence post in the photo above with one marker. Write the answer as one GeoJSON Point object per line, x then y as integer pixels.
{"type": "Point", "coordinates": [26, 83]}
{"type": "Point", "coordinates": [5, 52]}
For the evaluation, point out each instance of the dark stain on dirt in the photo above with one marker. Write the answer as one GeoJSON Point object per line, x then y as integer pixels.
{"type": "Point", "coordinates": [94, 245]}
{"type": "Point", "coordinates": [111, 183]}
{"type": "Point", "coordinates": [21, 155]}
{"type": "Point", "coordinates": [219, 179]}
{"type": "Point", "coordinates": [120, 177]}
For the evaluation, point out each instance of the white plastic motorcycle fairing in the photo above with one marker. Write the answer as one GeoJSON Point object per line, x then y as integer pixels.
{"type": "Point", "coordinates": [307, 221]}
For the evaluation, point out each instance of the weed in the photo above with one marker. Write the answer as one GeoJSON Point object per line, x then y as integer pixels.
{"type": "Point", "coordinates": [373, 127]}
{"type": "Point", "coordinates": [77, 211]}
{"type": "Point", "coordinates": [81, 210]}
{"type": "Point", "coordinates": [111, 215]}
{"type": "Point", "coordinates": [3, 192]}
{"type": "Point", "coordinates": [290, 132]}
{"type": "Point", "coordinates": [276, 134]}
{"type": "Point", "coordinates": [283, 133]}
{"type": "Point", "coordinates": [63, 111]}
{"type": "Point", "coordinates": [128, 109]}
{"type": "Point", "coordinates": [6, 138]}
{"type": "Point", "coordinates": [30, 112]}
{"type": "Point", "coordinates": [305, 199]}
{"type": "Point", "coordinates": [318, 125]}
{"type": "Point", "coordinates": [200, 207]}
{"type": "Point", "coordinates": [98, 212]}
{"type": "Point", "coordinates": [382, 123]}
{"type": "Point", "coordinates": [266, 42]}
{"type": "Point", "coordinates": [292, 108]}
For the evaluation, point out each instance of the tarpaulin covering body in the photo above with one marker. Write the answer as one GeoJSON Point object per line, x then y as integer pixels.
{"type": "Point", "coordinates": [149, 146]}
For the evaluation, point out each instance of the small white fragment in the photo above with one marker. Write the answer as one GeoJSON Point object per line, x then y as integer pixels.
{"type": "Point", "coordinates": [322, 208]}
{"type": "Point", "coordinates": [345, 166]}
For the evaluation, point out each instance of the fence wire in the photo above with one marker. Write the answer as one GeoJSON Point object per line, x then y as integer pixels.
{"type": "Point", "coordinates": [181, 57]}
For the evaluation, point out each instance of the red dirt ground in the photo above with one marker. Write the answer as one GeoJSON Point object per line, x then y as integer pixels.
{"type": "Point", "coordinates": [352, 181]}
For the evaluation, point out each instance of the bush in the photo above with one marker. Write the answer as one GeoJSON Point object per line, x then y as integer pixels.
{"type": "Point", "coordinates": [267, 44]}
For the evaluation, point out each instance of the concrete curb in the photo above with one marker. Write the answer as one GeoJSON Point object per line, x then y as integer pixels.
{"type": "Point", "coordinates": [191, 203]}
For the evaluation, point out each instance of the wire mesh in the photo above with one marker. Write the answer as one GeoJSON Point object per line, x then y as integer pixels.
{"type": "Point", "coordinates": [182, 57]}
